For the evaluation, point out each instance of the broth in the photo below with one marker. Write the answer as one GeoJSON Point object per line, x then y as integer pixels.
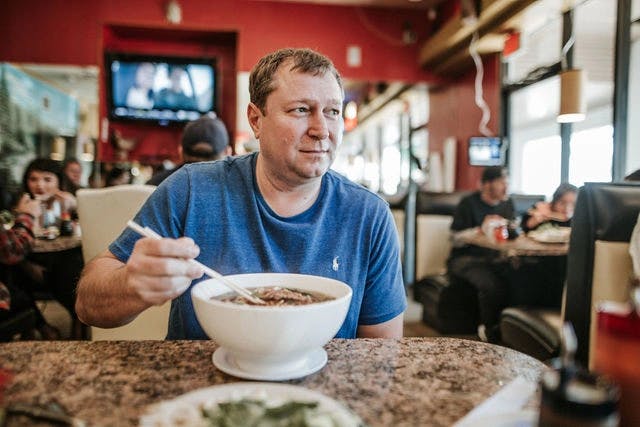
{"type": "Point", "coordinates": [277, 296]}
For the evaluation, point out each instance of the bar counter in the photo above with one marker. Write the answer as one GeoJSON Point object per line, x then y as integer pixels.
{"type": "Point", "coordinates": [406, 382]}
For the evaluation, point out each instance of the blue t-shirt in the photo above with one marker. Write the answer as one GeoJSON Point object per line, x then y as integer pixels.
{"type": "Point", "coordinates": [348, 234]}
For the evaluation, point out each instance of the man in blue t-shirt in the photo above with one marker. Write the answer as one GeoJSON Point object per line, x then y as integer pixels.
{"type": "Point", "coordinates": [279, 210]}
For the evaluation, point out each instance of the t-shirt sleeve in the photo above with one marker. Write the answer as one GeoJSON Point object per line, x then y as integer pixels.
{"type": "Point", "coordinates": [384, 297]}
{"type": "Point", "coordinates": [163, 212]}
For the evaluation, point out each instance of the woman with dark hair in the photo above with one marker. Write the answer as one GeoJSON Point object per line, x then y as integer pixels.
{"type": "Point", "coordinates": [15, 244]}
{"type": "Point", "coordinates": [42, 180]}
{"type": "Point", "coordinates": [539, 281]}
{"type": "Point", "coordinates": [559, 211]}
{"type": "Point", "coordinates": [53, 272]}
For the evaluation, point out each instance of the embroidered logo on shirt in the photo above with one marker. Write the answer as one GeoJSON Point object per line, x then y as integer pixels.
{"type": "Point", "coordinates": [336, 264]}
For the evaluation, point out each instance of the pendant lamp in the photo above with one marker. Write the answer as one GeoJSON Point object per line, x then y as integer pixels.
{"type": "Point", "coordinates": [573, 97]}
{"type": "Point", "coordinates": [58, 147]}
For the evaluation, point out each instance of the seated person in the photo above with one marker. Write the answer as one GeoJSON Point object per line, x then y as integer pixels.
{"type": "Point", "coordinates": [203, 140]}
{"type": "Point", "coordinates": [72, 174]}
{"type": "Point", "coordinates": [539, 281]}
{"type": "Point", "coordinates": [15, 244]}
{"type": "Point", "coordinates": [54, 272]}
{"type": "Point", "coordinates": [281, 209]}
{"type": "Point", "coordinates": [42, 180]}
{"type": "Point", "coordinates": [478, 266]}
{"type": "Point", "coordinates": [559, 211]}
{"type": "Point", "coordinates": [173, 97]}
{"type": "Point", "coordinates": [117, 176]}
{"type": "Point", "coordinates": [140, 95]}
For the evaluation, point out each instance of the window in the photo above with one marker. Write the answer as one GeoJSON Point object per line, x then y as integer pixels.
{"type": "Point", "coordinates": [536, 149]}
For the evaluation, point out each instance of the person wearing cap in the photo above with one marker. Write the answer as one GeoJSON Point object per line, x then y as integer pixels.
{"type": "Point", "coordinates": [478, 266]}
{"type": "Point", "coordinates": [202, 140]}
{"type": "Point", "coordinates": [281, 210]}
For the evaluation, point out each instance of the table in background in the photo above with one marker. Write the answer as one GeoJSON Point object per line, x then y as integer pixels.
{"type": "Point", "coordinates": [410, 382]}
{"type": "Point", "coordinates": [518, 247]}
{"type": "Point", "coordinates": [537, 270]}
{"type": "Point", "coordinates": [60, 243]}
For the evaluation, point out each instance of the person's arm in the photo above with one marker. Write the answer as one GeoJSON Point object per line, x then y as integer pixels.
{"type": "Point", "coordinates": [390, 329]}
{"type": "Point", "coordinates": [538, 214]}
{"type": "Point", "coordinates": [16, 243]}
{"type": "Point", "coordinates": [111, 293]}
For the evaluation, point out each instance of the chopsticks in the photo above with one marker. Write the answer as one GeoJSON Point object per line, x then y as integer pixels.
{"type": "Point", "coordinates": [147, 232]}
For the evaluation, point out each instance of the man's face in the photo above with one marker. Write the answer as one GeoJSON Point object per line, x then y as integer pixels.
{"type": "Point", "coordinates": [497, 189]}
{"type": "Point", "coordinates": [301, 126]}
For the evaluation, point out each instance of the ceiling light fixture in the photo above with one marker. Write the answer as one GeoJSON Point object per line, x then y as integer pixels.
{"type": "Point", "coordinates": [573, 85]}
{"type": "Point", "coordinates": [573, 99]}
{"type": "Point", "coordinates": [58, 148]}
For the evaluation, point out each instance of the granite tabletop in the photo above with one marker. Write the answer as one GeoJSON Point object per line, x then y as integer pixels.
{"type": "Point", "coordinates": [406, 382]}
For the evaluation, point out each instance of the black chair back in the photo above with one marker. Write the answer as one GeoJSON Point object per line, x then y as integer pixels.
{"type": "Point", "coordinates": [604, 211]}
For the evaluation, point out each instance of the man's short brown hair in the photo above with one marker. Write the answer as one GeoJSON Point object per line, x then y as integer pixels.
{"type": "Point", "coordinates": [261, 82]}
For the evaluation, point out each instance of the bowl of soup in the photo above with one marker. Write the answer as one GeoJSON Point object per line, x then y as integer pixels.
{"type": "Point", "coordinates": [302, 313]}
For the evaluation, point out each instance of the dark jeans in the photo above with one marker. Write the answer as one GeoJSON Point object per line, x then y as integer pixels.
{"type": "Point", "coordinates": [20, 301]}
{"type": "Point", "coordinates": [52, 274]}
{"type": "Point", "coordinates": [538, 282]}
{"type": "Point", "coordinates": [490, 278]}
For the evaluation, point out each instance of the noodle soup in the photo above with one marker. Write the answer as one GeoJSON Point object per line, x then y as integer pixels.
{"type": "Point", "coordinates": [277, 296]}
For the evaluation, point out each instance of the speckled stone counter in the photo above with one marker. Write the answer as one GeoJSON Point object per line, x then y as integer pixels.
{"type": "Point", "coordinates": [407, 382]}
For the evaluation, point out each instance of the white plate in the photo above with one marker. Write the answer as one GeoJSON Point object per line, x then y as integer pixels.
{"type": "Point", "coordinates": [187, 407]}
{"type": "Point", "coordinates": [224, 361]}
{"type": "Point", "coordinates": [525, 418]}
{"type": "Point", "coordinates": [551, 235]}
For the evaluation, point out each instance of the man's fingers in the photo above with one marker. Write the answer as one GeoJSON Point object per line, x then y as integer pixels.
{"type": "Point", "coordinates": [177, 248]}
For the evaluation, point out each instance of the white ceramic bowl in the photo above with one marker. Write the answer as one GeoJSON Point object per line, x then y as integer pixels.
{"type": "Point", "coordinates": [271, 339]}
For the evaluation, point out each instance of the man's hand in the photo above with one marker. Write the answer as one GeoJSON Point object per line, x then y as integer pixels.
{"type": "Point", "coordinates": [161, 270]}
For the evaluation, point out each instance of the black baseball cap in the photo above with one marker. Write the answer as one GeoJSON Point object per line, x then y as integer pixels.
{"type": "Point", "coordinates": [491, 173]}
{"type": "Point", "coordinates": [208, 130]}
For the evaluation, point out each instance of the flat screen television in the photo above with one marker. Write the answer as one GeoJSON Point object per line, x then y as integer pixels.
{"type": "Point", "coordinates": [163, 89]}
{"type": "Point", "coordinates": [486, 151]}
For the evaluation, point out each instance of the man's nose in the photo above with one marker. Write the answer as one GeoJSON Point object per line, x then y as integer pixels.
{"type": "Point", "coordinates": [318, 126]}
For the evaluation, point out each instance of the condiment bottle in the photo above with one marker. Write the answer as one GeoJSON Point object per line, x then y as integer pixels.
{"type": "Point", "coordinates": [617, 352]}
{"type": "Point", "coordinates": [573, 397]}
{"type": "Point", "coordinates": [66, 226]}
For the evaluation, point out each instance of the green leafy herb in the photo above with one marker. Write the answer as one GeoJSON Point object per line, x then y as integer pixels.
{"type": "Point", "coordinates": [255, 413]}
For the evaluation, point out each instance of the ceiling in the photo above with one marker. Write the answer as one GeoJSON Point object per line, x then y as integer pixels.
{"type": "Point", "coordinates": [398, 4]}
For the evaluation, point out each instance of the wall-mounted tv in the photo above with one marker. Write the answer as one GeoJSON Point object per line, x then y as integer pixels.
{"type": "Point", "coordinates": [486, 151]}
{"type": "Point", "coordinates": [163, 89]}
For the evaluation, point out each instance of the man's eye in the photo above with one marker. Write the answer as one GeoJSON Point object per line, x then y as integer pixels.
{"type": "Point", "coordinates": [336, 112]}
{"type": "Point", "coordinates": [301, 110]}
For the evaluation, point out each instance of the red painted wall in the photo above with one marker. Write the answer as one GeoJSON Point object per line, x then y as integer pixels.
{"type": "Point", "coordinates": [68, 31]}
{"type": "Point", "coordinates": [453, 112]}
{"type": "Point", "coordinates": [76, 32]}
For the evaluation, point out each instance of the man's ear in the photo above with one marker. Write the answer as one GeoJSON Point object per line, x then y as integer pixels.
{"type": "Point", "coordinates": [254, 116]}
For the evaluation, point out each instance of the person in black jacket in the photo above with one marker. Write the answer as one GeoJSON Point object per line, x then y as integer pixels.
{"type": "Point", "coordinates": [479, 266]}
{"type": "Point", "coordinates": [203, 140]}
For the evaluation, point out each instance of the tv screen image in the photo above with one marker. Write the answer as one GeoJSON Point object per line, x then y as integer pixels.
{"type": "Point", "coordinates": [486, 151]}
{"type": "Point", "coordinates": [162, 89]}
